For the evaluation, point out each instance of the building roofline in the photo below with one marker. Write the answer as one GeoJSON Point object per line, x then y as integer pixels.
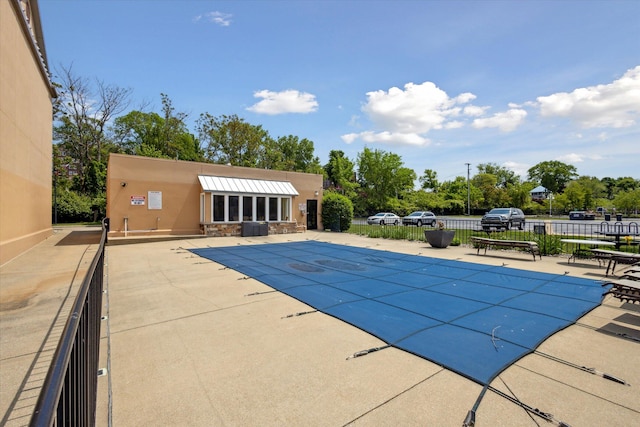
{"type": "Point", "coordinates": [36, 40]}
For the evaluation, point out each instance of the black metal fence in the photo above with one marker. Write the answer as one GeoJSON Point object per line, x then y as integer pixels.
{"type": "Point", "coordinates": [68, 396]}
{"type": "Point", "coordinates": [547, 233]}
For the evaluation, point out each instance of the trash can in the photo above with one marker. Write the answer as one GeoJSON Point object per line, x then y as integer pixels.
{"type": "Point", "coordinates": [618, 217]}
{"type": "Point", "coordinates": [539, 229]}
{"type": "Point", "coordinates": [607, 217]}
{"type": "Point", "coordinates": [335, 224]}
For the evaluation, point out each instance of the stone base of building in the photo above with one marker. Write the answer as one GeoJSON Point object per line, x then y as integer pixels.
{"type": "Point", "coordinates": [235, 229]}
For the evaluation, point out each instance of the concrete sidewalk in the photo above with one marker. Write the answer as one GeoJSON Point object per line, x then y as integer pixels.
{"type": "Point", "coordinates": [37, 291]}
{"type": "Point", "coordinates": [187, 345]}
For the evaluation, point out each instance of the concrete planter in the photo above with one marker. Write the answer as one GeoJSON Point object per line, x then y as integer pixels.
{"type": "Point", "coordinates": [439, 238]}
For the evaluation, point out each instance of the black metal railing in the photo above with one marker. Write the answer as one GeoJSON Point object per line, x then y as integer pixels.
{"type": "Point", "coordinates": [68, 396]}
{"type": "Point", "coordinates": [547, 233]}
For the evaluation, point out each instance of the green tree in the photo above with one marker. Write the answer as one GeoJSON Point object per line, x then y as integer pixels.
{"type": "Point", "coordinates": [628, 201]}
{"type": "Point", "coordinates": [429, 180]}
{"type": "Point", "coordinates": [593, 189]}
{"type": "Point", "coordinates": [520, 197]}
{"type": "Point", "coordinates": [554, 175]}
{"type": "Point", "coordinates": [381, 176]}
{"type": "Point", "coordinates": [492, 195]}
{"type": "Point", "coordinates": [137, 131]}
{"type": "Point", "coordinates": [179, 143]}
{"type": "Point", "coordinates": [610, 185]}
{"type": "Point", "coordinates": [152, 135]}
{"type": "Point", "coordinates": [575, 196]}
{"type": "Point", "coordinates": [340, 173]}
{"type": "Point", "coordinates": [421, 200]}
{"type": "Point", "coordinates": [231, 140]}
{"type": "Point", "coordinates": [289, 153]}
{"type": "Point", "coordinates": [504, 177]}
{"type": "Point", "coordinates": [455, 195]}
{"type": "Point", "coordinates": [627, 183]}
{"type": "Point", "coordinates": [81, 114]}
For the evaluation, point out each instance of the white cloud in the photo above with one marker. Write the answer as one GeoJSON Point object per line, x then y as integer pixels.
{"type": "Point", "coordinates": [404, 116]}
{"type": "Point", "coordinates": [218, 18]}
{"type": "Point", "coordinates": [349, 138]}
{"type": "Point", "coordinates": [387, 138]}
{"type": "Point", "coordinates": [613, 105]}
{"type": "Point", "coordinates": [354, 121]}
{"type": "Point", "coordinates": [473, 111]}
{"type": "Point", "coordinates": [288, 101]}
{"type": "Point", "coordinates": [455, 124]}
{"type": "Point", "coordinates": [506, 121]}
{"type": "Point", "coordinates": [571, 158]}
{"type": "Point", "coordinates": [520, 169]}
{"type": "Point", "coordinates": [418, 108]}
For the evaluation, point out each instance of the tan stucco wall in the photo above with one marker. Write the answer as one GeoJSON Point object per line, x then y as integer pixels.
{"type": "Point", "coordinates": [25, 140]}
{"type": "Point", "coordinates": [178, 182]}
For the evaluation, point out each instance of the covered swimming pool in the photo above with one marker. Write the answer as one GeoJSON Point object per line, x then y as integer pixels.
{"type": "Point", "coordinates": [473, 319]}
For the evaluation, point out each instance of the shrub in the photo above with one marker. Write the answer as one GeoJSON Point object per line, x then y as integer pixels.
{"type": "Point", "coordinates": [388, 232]}
{"type": "Point", "coordinates": [337, 212]}
{"type": "Point", "coordinates": [548, 244]}
{"type": "Point", "coordinates": [73, 207]}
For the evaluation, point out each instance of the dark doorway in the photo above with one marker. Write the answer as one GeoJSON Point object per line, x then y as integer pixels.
{"type": "Point", "coordinates": [312, 214]}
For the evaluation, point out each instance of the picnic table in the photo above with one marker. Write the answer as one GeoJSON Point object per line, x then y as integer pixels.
{"type": "Point", "coordinates": [617, 235]}
{"type": "Point", "coordinates": [579, 252]}
{"type": "Point", "coordinates": [617, 231]}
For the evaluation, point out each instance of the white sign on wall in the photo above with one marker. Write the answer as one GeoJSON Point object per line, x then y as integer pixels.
{"type": "Point", "coordinates": [137, 200]}
{"type": "Point", "coordinates": [155, 200]}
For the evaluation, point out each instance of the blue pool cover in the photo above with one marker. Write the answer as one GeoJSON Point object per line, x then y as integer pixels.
{"type": "Point", "coordinates": [473, 319]}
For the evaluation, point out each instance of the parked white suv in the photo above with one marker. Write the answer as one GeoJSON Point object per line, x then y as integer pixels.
{"type": "Point", "coordinates": [420, 218]}
{"type": "Point", "coordinates": [503, 218]}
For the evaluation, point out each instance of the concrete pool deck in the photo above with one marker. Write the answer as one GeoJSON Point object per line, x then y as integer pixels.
{"type": "Point", "coordinates": [186, 344]}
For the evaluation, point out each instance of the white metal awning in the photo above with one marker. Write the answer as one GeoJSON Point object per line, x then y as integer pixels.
{"type": "Point", "coordinates": [222, 184]}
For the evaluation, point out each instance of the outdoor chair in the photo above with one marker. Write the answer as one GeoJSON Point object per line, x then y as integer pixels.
{"type": "Point", "coordinates": [300, 228]}
{"type": "Point", "coordinates": [626, 290]}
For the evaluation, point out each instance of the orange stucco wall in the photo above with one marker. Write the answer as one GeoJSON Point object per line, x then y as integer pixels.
{"type": "Point", "coordinates": [178, 182]}
{"type": "Point", "coordinates": [25, 139]}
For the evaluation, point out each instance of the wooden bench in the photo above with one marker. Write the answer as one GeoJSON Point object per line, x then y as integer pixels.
{"type": "Point", "coordinates": [484, 242]}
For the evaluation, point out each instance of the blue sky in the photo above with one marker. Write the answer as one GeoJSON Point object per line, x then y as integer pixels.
{"type": "Point", "coordinates": [440, 83]}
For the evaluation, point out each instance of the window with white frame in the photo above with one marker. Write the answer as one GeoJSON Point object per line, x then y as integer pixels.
{"type": "Point", "coordinates": [218, 208]}
{"type": "Point", "coordinates": [273, 208]}
{"type": "Point", "coordinates": [235, 208]}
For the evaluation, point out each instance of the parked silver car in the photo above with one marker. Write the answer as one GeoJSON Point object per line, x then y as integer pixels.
{"type": "Point", "coordinates": [420, 218]}
{"type": "Point", "coordinates": [383, 218]}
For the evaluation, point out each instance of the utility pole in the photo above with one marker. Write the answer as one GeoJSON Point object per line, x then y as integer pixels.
{"type": "Point", "coordinates": [468, 191]}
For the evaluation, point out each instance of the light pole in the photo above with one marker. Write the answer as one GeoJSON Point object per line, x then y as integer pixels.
{"type": "Point", "coordinates": [468, 191]}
